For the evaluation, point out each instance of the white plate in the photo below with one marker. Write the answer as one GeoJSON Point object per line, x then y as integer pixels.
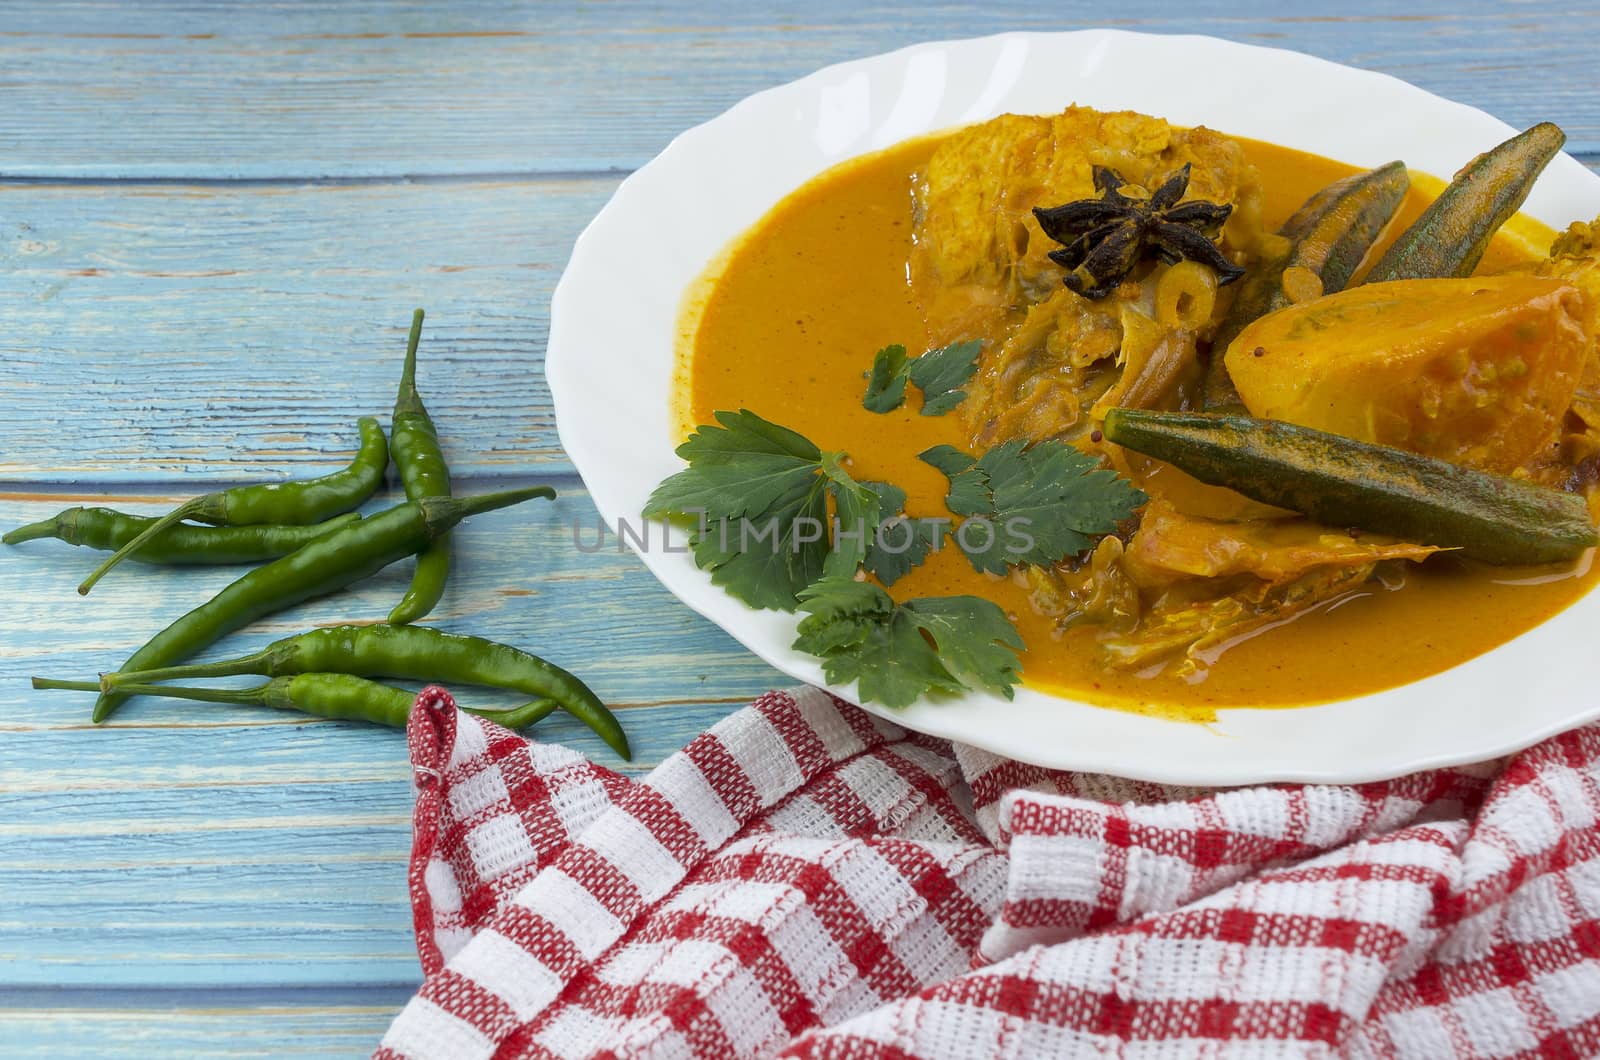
{"type": "Point", "coordinates": [611, 361]}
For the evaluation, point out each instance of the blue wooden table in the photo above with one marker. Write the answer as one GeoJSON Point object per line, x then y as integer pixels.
{"type": "Point", "coordinates": [214, 222]}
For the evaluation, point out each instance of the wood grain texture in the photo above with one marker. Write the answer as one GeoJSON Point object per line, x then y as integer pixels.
{"type": "Point", "coordinates": [302, 89]}
{"type": "Point", "coordinates": [189, 301]}
{"type": "Point", "coordinates": [147, 1025]}
{"type": "Point", "coordinates": [159, 333]}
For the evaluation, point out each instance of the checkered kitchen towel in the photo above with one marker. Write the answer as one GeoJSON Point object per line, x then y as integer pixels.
{"type": "Point", "coordinates": [807, 880]}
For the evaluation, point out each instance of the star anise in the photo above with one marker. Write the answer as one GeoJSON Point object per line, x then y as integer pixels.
{"type": "Point", "coordinates": [1104, 239]}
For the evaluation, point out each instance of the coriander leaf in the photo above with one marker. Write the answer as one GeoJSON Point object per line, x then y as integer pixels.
{"type": "Point", "coordinates": [1069, 501]}
{"type": "Point", "coordinates": [872, 530]}
{"type": "Point", "coordinates": [744, 432]}
{"type": "Point", "coordinates": [940, 373]}
{"type": "Point", "coordinates": [885, 652]}
{"type": "Point", "coordinates": [1041, 503]}
{"type": "Point", "coordinates": [858, 508]}
{"type": "Point", "coordinates": [841, 613]}
{"type": "Point", "coordinates": [969, 488]}
{"type": "Point", "coordinates": [947, 458]}
{"type": "Point", "coordinates": [741, 468]}
{"type": "Point", "coordinates": [766, 558]}
{"type": "Point", "coordinates": [976, 641]}
{"type": "Point", "coordinates": [886, 389]}
{"type": "Point", "coordinates": [899, 653]}
{"type": "Point", "coordinates": [895, 667]}
{"type": "Point", "coordinates": [758, 495]}
{"type": "Point", "coordinates": [901, 544]}
{"type": "Point", "coordinates": [895, 543]}
{"type": "Point", "coordinates": [731, 489]}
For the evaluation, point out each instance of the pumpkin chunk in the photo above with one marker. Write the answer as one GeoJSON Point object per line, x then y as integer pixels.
{"type": "Point", "coordinates": [1477, 371]}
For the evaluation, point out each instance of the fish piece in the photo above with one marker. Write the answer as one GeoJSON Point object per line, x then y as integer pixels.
{"type": "Point", "coordinates": [1199, 631]}
{"type": "Point", "coordinates": [1170, 546]}
{"type": "Point", "coordinates": [980, 265]}
{"type": "Point", "coordinates": [1099, 593]}
{"type": "Point", "coordinates": [973, 220]}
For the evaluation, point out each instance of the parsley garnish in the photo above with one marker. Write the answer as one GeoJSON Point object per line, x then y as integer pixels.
{"type": "Point", "coordinates": [886, 386]}
{"type": "Point", "coordinates": [900, 652]}
{"type": "Point", "coordinates": [781, 524]}
{"type": "Point", "coordinates": [759, 494]}
{"type": "Point", "coordinates": [1042, 502]}
{"type": "Point", "coordinates": [898, 544]}
{"type": "Point", "coordinates": [939, 374]}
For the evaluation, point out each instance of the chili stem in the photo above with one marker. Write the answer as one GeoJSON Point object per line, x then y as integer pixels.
{"type": "Point", "coordinates": [249, 664]}
{"type": "Point", "coordinates": [178, 514]}
{"type": "Point", "coordinates": [513, 718]}
{"type": "Point", "coordinates": [208, 695]}
{"type": "Point", "coordinates": [452, 510]}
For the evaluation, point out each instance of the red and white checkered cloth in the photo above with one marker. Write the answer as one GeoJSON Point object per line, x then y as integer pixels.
{"type": "Point", "coordinates": [807, 880]}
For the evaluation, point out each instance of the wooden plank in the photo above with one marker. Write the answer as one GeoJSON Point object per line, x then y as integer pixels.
{"type": "Point", "coordinates": [190, 855]}
{"type": "Point", "coordinates": [155, 1026]}
{"type": "Point", "coordinates": [292, 89]}
{"type": "Point", "coordinates": [147, 747]}
{"type": "Point", "coordinates": [218, 332]}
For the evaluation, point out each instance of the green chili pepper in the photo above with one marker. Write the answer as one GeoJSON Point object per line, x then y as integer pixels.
{"type": "Point", "coordinates": [295, 503]}
{"type": "Point", "coordinates": [343, 697]}
{"type": "Point", "coordinates": [415, 653]}
{"type": "Point", "coordinates": [180, 545]}
{"type": "Point", "coordinates": [415, 445]}
{"type": "Point", "coordinates": [327, 564]}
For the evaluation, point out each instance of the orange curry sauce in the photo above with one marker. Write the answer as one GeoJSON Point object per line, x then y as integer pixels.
{"type": "Point", "coordinates": [786, 323]}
